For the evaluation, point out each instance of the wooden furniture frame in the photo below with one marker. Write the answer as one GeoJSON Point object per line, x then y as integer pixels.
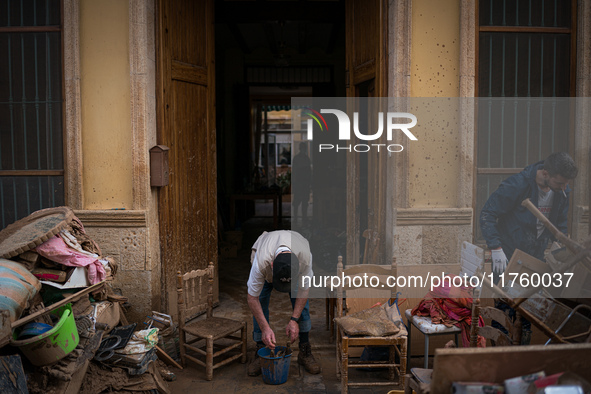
{"type": "Point", "coordinates": [396, 345]}
{"type": "Point", "coordinates": [210, 329]}
{"type": "Point", "coordinates": [494, 334]}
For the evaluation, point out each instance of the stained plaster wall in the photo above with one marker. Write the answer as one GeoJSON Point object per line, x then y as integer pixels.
{"type": "Point", "coordinates": [431, 218]}
{"type": "Point", "coordinates": [110, 113]}
{"type": "Point", "coordinates": [434, 181]}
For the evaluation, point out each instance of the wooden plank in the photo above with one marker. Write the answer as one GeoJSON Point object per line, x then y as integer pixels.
{"type": "Point", "coordinates": [166, 358]}
{"type": "Point", "coordinates": [189, 73]}
{"type": "Point", "coordinates": [71, 298]}
{"type": "Point", "coordinates": [500, 363]}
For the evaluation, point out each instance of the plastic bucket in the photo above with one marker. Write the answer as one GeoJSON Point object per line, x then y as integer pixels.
{"type": "Point", "coordinates": [275, 369]}
{"type": "Point", "coordinates": [52, 345]}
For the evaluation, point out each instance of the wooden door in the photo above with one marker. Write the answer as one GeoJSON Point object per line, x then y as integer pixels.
{"type": "Point", "coordinates": [186, 124]}
{"type": "Point", "coordinates": [366, 60]}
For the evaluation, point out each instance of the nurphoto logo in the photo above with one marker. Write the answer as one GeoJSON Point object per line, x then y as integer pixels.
{"type": "Point", "coordinates": [344, 132]}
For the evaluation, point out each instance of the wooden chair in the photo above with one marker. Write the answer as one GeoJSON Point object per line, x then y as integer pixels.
{"type": "Point", "coordinates": [372, 240]}
{"type": "Point", "coordinates": [494, 334]}
{"type": "Point", "coordinates": [190, 302]}
{"type": "Point", "coordinates": [396, 345]}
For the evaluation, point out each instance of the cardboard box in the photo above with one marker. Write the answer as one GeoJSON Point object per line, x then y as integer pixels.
{"type": "Point", "coordinates": [78, 278]}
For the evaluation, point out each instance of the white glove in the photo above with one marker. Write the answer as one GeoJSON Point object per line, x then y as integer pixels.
{"type": "Point", "coordinates": [499, 260]}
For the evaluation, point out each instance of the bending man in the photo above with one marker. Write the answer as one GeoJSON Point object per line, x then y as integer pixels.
{"type": "Point", "coordinates": [274, 254]}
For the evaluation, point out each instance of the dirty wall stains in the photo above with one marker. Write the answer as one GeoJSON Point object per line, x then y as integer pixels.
{"type": "Point", "coordinates": [105, 104]}
{"type": "Point", "coordinates": [435, 53]}
{"type": "Point", "coordinates": [435, 48]}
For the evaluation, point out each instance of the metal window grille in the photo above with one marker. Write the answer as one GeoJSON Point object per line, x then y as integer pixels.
{"type": "Point", "coordinates": [31, 101]}
{"type": "Point", "coordinates": [526, 48]}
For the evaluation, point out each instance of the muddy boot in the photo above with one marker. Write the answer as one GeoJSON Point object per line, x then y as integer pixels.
{"type": "Point", "coordinates": [306, 358]}
{"type": "Point", "coordinates": [254, 368]}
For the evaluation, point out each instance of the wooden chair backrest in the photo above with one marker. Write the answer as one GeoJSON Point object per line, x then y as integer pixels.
{"type": "Point", "coordinates": [493, 333]}
{"type": "Point", "coordinates": [195, 292]}
{"type": "Point", "coordinates": [360, 298]}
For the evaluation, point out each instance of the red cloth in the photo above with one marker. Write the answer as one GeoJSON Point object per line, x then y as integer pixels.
{"type": "Point", "coordinates": [451, 306]}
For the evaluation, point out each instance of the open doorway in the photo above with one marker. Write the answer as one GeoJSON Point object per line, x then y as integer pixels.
{"type": "Point", "coordinates": [266, 53]}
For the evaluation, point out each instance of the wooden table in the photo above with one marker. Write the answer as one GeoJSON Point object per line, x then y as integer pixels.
{"type": "Point", "coordinates": [274, 195]}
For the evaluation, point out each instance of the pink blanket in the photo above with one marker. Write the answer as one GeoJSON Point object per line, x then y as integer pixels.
{"type": "Point", "coordinates": [56, 250]}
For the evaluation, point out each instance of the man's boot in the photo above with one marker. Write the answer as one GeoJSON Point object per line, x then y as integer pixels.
{"type": "Point", "coordinates": [306, 358]}
{"type": "Point", "coordinates": [254, 368]}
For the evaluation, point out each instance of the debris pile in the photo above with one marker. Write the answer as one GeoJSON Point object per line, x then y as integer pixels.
{"type": "Point", "coordinates": [59, 310]}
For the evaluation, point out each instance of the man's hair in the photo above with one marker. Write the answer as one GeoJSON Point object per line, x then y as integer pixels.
{"type": "Point", "coordinates": [560, 163]}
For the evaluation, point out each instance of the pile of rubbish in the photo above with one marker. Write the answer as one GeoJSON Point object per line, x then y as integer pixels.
{"type": "Point", "coordinates": [59, 310]}
{"type": "Point", "coordinates": [538, 383]}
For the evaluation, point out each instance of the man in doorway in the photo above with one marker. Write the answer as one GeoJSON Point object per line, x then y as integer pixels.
{"type": "Point", "coordinates": [506, 225]}
{"type": "Point", "coordinates": [273, 256]}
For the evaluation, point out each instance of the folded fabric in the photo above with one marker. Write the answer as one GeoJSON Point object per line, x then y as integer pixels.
{"type": "Point", "coordinates": [450, 306]}
{"type": "Point", "coordinates": [369, 322]}
{"type": "Point", "coordinates": [55, 249]}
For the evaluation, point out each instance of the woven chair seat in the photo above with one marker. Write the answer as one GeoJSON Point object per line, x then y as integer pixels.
{"type": "Point", "coordinates": [216, 327]}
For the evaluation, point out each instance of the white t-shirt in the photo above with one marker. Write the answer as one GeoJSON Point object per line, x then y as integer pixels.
{"type": "Point", "coordinates": [545, 200]}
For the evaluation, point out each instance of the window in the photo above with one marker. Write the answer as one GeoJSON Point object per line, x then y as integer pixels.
{"type": "Point", "coordinates": [31, 102]}
{"type": "Point", "coordinates": [525, 49]}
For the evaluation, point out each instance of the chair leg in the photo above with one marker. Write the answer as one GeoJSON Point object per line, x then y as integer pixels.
{"type": "Point", "coordinates": [332, 308]}
{"type": "Point", "coordinates": [327, 304]}
{"type": "Point", "coordinates": [345, 367]}
{"type": "Point", "coordinates": [409, 325]}
{"type": "Point", "coordinates": [243, 334]}
{"type": "Point", "coordinates": [338, 351]}
{"type": "Point", "coordinates": [392, 360]}
{"type": "Point", "coordinates": [209, 358]}
{"type": "Point", "coordinates": [403, 364]}
{"type": "Point", "coordinates": [457, 341]}
{"type": "Point", "coordinates": [182, 340]}
{"type": "Point", "coordinates": [426, 351]}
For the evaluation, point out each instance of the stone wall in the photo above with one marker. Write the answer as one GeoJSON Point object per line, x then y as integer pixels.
{"type": "Point", "coordinates": [124, 236]}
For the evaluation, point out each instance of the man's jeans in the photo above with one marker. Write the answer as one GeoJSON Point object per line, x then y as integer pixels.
{"type": "Point", "coordinates": [304, 323]}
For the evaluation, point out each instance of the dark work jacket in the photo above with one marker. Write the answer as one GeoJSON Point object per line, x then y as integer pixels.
{"type": "Point", "coordinates": [504, 222]}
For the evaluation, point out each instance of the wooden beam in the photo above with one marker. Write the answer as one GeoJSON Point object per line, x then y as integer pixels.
{"type": "Point", "coordinates": [272, 11]}
{"type": "Point", "coordinates": [71, 298]}
{"type": "Point", "coordinates": [166, 358]}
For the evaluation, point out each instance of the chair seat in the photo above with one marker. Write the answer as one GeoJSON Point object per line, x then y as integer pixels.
{"type": "Point", "coordinates": [424, 325]}
{"type": "Point", "coordinates": [216, 327]}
